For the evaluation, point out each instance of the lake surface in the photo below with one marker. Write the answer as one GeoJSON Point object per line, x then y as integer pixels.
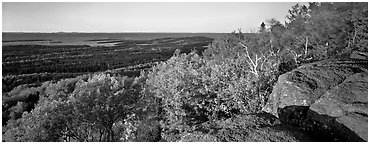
{"type": "Point", "coordinates": [92, 39]}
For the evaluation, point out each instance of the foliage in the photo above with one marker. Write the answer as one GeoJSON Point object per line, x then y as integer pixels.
{"type": "Point", "coordinates": [213, 96]}
{"type": "Point", "coordinates": [325, 30]}
{"type": "Point", "coordinates": [194, 89]}
{"type": "Point", "coordinates": [148, 131]}
{"type": "Point", "coordinates": [35, 79]}
{"type": "Point", "coordinates": [19, 100]}
{"type": "Point", "coordinates": [29, 59]}
{"type": "Point", "coordinates": [39, 125]}
{"type": "Point", "coordinates": [236, 73]}
{"type": "Point", "coordinates": [126, 129]}
{"type": "Point", "coordinates": [86, 110]}
{"type": "Point", "coordinates": [24, 97]}
{"type": "Point", "coordinates": [173, 82]}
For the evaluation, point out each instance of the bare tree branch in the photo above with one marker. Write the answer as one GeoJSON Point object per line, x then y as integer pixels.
{"type": "Point", "coordinates": [258, 61]}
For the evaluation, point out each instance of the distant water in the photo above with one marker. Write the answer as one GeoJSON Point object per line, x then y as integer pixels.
{"type": "Point", "coordinates": [85, 38]}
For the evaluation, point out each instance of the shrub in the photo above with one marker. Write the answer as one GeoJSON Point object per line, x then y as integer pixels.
{"type": "Point", "coordinates": [176, 82]}
{"type": "Point", "coordinates": [95, 109]}
{"type": "Point", "coordinates": [148, 131]}
{"type": "Point", "coordinates": [194, 89]}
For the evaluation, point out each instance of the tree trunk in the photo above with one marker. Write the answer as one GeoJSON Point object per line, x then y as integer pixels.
{"type": "Point", "coordinates": [306, 45]}
{"type": "Point", "coordinates": [349, 42]}
{"type": "Point", "coordinates": [109, 135]}
{"type": "Point", "coordinates": [101, 133]}
{"type": "Point", "coordinates": [354, 36]}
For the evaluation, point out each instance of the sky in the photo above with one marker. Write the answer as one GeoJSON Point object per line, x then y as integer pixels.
{"type": "Point", "coordinates": [217, 17]}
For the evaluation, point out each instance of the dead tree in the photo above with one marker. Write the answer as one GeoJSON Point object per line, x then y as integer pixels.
{"type": "Point", "coordinates": [257, 62]}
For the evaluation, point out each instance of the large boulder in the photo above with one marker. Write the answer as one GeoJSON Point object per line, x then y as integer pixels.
{"type": "Point", "coordinates": [312, 90]}
{"type": "Point", "coordinates": [344, 108]}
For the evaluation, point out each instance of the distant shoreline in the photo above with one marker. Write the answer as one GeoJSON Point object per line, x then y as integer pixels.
{"type": "Point", "coordinates": [92, 39]}
{"type": "Point", "coordinates": [118, 32]}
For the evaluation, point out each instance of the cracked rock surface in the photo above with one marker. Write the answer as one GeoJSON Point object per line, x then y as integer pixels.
{"type": "Point", "coordinates": [329, 97]}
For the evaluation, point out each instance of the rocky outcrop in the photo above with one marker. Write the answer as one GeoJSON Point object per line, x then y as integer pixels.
{"type": "Point", "coordinates": [346, 105]}
{"type": "Point", "coordinates": [330, 93]}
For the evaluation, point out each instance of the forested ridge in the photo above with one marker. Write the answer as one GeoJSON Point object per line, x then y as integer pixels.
{"type": "Point", "coordinates": [34, 64]}
{"type": "Point", "coordinates": [217, 95]}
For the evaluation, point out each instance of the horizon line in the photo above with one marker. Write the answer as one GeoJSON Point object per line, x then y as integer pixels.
{"type": "Point", "coordinates": [102, 32]}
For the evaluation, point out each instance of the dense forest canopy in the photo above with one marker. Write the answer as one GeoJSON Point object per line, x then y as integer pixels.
{"type": "Point", "coordinates": [233, 77]}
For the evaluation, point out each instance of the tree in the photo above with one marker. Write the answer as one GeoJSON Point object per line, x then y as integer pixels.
{"type": "Point", "coordinates": [255, 63]}
{"type": "Point", "coordinates": [262, 28]}
{"type": "Point", "coordinates": [327, 28]}
{"type": "Point", "coordinates": [227, 81]}
{"type": "Point", "coordinates": [276, 35]}
{"type": "Point", "coordinates": [93, 109]}
{"type": "Point", "coordinates": [104, 100]}
{"type": "Point", "coordinates": [41, 124]}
